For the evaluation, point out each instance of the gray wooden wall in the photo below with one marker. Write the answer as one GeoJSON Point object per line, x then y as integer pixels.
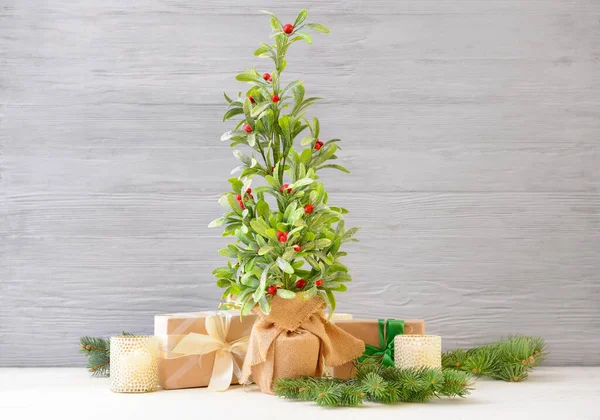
{"type": "Point", "coordinates": [472, 129]}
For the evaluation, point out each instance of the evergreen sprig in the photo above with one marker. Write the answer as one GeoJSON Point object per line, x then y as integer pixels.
{"type": "Point", "coordinates": [508, 360]}
{"type": "Point", "coordinates": [377, 383]}
{"type": "Point", "coordinates": [97, 350]}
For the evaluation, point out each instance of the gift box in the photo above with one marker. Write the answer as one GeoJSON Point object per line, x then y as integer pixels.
{"type": "Point", "coordinates": [378, 336]}
{"type": "Point", "coordinates": [202, 348]}
{"type": "Point", "coordinates": [294, 340]}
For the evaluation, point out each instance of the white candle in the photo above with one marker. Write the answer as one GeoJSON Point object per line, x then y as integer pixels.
{"type": "Point", "coordinates": [416, 351]}
{"type": "Point", "coordinates": [133, 364]}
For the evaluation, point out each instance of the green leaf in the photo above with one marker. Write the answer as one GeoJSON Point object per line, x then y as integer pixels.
{"type": "Point", "coordinates": [316, 127]}
{"type": "Point", "coordinates": [338, 167]}
{"type": "Point", "coordinates": [260, 227]}
{"type": "Point", "coordinates": [233, 133]}
{"type": "Point", "coordinates": [286, 294]}
{"type": "Point", "coordinates": [331, 299]}
{"type": "Point", "coordinates": [272, 181]}
{"type": "Point", "coordinates": [301, 17]}
{"type": "Point", "coordinates": [272, 235]}
{"type": "Point", "coordinates": [247, 306]}
{"type": "Point", "coordinates": [227, 98]}
{"type": "Point", "coordinates": [326, 154]}
{"type": "Point", "coordinates": [285, 266]}
{"type": "Point", "coordinates": [322, 243]}
{"type": "Point", "coordinates": [306, 141]}
{"type": "Point", "coordinates": [290, 86]}
{"type": "Point", "coordinates": [262, 50]}
{"type": "Point", "coordinates": [317, 27]}
{"type": "Point", "coordinates": [223, 283]}
{"type": "Point", "coordinates": [302, 36]}
{"type": "Point", "coordinates": [234, 204]}
{"type": "Point", "coordinates": [250, 76]}
{"type": "Point", "coordinates": [264, 305]}
{"type": "Point", "coordinates": [265, 250]}
{"type": "Point", "coordinates": [302, 182]}
{"type": "Point", "coordinates": [258, 109]}
{"type": "Point", "coordinates": [246, 160]}
{"type": "Point", "coordinates": [232, 113]}
{"type": "Point", "coordinates": [251, 140]}
{"type": "Point", "coordinates": [310, 293]}
{"type": "Point", "coordinates": [216, 222]}
{"type": "Point", "coordinates": [349, 233]}
{"type": "Point", "coordinates": [222, 272]}
{"type": "Point", "coordinates": [249, 280]}
{"type": "Point", "coordinates": [248, 112]}
{"type": "Point", "coordinates": [226, 252]}
{"type": "Point", "coordinates": [305, 156]}
{"type": "Point", "coordinates": [284, 124]}
{"type": "Point", "coordinates": [260, 290]}
{"type": "Point", "coordinates": [246, 184]}
{"type": "Point", "coordinates": [262, 209]}
{"type": "Point", "coordinates": [269, 13]}
{"type": "Point", "coordinates": [275, 24]}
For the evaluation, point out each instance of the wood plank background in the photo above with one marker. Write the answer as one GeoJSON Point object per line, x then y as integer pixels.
{"type": "Point", "coordinates": [472, 129]}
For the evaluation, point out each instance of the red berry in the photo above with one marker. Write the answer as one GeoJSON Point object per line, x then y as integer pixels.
{"type": "Point", "coordinates": [308, 208]}
{"type": "Point", "coordinates": [318, 144]}
{"type": "Point", "coordinates": [238, 197]}
{"type": "Point", "coordinates": [297, 248]}
{"type": "Point", "coordinates": [267, 77]}
{"type": "Point", "coordinates": [242, 206]}
{"type": "Point", "coordinates": [247, 128]}
{"type": "Point", "coordinates": [288, 29]}
{"type": "Point", "coordinates": [286, 187]}
{"type": "Point", "coordinates": [319, 282]}
{"type": "Point", "coordinates": [251, 99]}
{"type": "Point", "coordinates": [300, 283]}
{"type": "Point", "coordinates": [249, 190]}
{"type": "Point", "coordinates": [272, 290]}
{"type": "Point", "coordinates": [275, 98]}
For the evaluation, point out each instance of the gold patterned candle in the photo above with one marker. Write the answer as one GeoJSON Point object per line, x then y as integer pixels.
{"type": "Point", "coordinates": [133, 364]}
{"type": "Point", "coordinates": [416, 351]}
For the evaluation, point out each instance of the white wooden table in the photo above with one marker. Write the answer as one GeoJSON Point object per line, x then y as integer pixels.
{"type": "Point", "coordinates": [550, 393]}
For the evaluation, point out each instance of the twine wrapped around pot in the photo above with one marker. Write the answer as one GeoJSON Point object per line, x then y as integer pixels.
{"type": "Point", "coordinates": [293, 340]}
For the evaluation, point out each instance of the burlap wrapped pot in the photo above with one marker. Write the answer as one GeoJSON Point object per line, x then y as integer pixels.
{"type": "Point", "coordinates": [293, 340]}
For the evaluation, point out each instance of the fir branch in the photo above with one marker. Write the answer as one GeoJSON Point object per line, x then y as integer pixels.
{"type": "Point", "coordinates": [97, 350]}
{"type": "Point", "coordinates": [509, 360]}
{"type": "Point", "coordinates": [376, 383]}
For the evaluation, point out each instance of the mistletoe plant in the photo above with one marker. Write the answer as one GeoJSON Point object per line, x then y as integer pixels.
{"type": "Point", "coordinates": [290, 246]}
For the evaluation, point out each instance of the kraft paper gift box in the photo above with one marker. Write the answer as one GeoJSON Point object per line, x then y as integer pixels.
{"type": "Point", "coordinates": [368, 331]}
{"type": "Point", "coordinates": [191, 363]}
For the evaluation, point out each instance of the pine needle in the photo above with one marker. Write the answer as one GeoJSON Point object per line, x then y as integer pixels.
{"type": "Point", "coordinates": [508, 360]}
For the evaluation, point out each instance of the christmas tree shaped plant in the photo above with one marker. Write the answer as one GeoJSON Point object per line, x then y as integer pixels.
{"type": "Point", "coordinates": [289, 238]}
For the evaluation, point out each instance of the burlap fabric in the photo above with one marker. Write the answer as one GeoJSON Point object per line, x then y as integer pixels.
{"type": "Point", "coordinates": [295, 340]}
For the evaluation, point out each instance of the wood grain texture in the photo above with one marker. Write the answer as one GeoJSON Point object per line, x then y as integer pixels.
{"type": "Point", "coordinates": [472, 130]}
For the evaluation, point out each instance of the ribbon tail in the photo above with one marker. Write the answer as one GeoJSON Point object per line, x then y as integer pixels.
{"type": "Point", "coordinates": [387, 360]}
{"type": "Point", "coordinates": [222, 371]}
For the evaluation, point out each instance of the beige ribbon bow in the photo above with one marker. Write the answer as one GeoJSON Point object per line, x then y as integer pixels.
{"type": "Point", "coordinates": [226, 365]}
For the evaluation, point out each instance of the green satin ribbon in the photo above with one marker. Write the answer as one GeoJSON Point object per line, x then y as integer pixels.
{"type": "Point", "coordinates": [388, 329]}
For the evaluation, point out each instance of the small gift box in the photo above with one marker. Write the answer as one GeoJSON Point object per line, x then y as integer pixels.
{"type": "Point", "coordinates": [378, 336]}
{"type": "Point", "coordinates": [202, 348]}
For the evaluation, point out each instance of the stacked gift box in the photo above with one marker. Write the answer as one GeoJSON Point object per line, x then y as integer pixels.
{"type": "Point", "coordinates": [207, 348]}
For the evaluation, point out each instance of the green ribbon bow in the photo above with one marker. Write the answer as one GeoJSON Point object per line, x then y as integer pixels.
{"type": "Point", "coordinates": [388, 329]}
